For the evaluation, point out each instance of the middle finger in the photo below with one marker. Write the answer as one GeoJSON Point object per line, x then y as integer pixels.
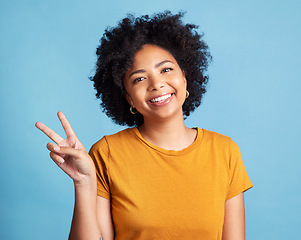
{"type": "Point", "coordinates": [49, 132]}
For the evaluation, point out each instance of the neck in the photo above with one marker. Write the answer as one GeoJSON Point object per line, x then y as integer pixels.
{"type": "Point", "coordinates": [170, 135]}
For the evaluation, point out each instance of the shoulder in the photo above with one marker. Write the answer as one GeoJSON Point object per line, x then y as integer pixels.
{"type": "Point", "coordinates": [215, 137]}
{"type": "Point", "coordinates": [219, 140]}
{"type": "Point", "coordinates": [113, 139]}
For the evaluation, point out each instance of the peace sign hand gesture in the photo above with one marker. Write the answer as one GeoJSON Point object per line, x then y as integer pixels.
{"type": "Point", "coordinates": [69, 154]}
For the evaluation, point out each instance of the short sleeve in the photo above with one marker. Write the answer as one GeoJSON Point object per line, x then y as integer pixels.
{"type": "Point", "coordinates": [99, 152]}
{"type": "Point", "coordinates": [239, 180]}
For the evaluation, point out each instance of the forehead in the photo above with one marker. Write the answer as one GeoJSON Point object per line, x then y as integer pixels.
{"type": "Point", "coordinates": [151, 54]}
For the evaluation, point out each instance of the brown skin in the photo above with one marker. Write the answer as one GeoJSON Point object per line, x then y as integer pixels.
{"type": "Point", "coordinates": [154, 73]}
{"type": "Point", "coordinates": [71, 156]}
{"type": "Point", "coordinates": [234, 222]}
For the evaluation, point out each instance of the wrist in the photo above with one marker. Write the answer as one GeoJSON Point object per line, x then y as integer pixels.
{"type": "Point", "coordinates": [87, 182]}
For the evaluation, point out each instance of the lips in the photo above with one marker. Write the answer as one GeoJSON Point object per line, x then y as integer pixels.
{"type": "Point", "coordinates": [161, 98]}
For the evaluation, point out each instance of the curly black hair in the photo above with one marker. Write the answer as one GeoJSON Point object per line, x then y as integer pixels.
{"type": "Point", "coordinates": [119, 45]}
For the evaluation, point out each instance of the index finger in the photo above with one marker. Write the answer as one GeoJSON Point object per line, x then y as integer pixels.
{"type": "Point", "coordinates": [49, 132]}
{"type": "Point", "coordinates": [66, 125]}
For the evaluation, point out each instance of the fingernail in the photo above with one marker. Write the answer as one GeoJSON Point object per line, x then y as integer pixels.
{"type": "Point", "coordinates": [56, 148]}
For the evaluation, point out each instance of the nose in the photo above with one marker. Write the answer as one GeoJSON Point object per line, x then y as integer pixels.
{"type": "Point", "coordinates": [155, 83]}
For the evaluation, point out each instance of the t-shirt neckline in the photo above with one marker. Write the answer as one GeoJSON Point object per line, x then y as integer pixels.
{"type": "Point", "coordinates": [192, 146]}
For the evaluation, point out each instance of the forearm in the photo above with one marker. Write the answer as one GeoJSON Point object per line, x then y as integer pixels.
{"type": "Point", "coordinates": [234, 224]}
{"type": "Point", "coordinates": [71, 156]}
{"type": "Point", "coordinates": [84, 223]}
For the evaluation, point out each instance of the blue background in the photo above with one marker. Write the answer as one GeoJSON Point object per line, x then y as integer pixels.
{"type": "Point", "coordinates": [47, 51]}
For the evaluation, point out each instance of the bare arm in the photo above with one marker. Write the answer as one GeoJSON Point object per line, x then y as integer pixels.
{"type": "Point", "coordinates": [104, 218]}
{"type": "Point", "coordinates": [84, 223]}
{"type": "Point", "coordinates": [71, 156]}
{"type": "Point", "coordinates": [234, 223]}
{"type": "Point", "coordinates": [91, 212]}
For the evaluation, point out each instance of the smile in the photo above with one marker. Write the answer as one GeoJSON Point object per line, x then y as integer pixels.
{"type": "Point", "coordinates": [160, 99]}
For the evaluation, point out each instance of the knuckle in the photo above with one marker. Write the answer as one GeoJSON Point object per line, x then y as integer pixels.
{"type": "Point", "coordinates": [80, 154]}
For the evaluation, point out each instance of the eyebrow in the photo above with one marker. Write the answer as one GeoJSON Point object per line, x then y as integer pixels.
{"type": "Point", "coordinates": [161, 63]}
{"type": "Point", "coordinates": [156, 66]}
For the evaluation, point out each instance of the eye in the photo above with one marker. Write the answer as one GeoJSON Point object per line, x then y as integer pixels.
{"type": "Point", "coordinates": [139, 79]}
{"type": "Point", "coordinates": [166, 70]}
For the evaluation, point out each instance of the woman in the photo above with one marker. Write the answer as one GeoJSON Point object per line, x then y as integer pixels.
{"type": "Point", "coordinates": [159, 179]}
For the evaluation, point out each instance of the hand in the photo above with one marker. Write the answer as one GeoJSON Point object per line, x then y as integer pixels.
{"type": "Point", "coordinates": [69, 154]}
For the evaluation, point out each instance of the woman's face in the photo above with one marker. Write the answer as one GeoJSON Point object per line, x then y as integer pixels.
{"type": "Point", "coordinates": [155, 84]}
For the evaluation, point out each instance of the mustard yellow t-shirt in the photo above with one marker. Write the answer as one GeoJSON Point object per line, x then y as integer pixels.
{"type": "Point", "coordinates": [164, 194]}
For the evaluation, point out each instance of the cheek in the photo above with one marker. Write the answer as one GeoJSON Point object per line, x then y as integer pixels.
{"type": "Point", "coordinates": [137, 96]}
{"type": "Point", "coordinates": [180, 84]}
{"type": "Point", "coordinates": [182, 88]}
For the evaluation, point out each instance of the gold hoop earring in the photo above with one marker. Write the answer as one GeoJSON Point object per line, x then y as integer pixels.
{"type": "Point", "coordinates": [131, 110]}
{"type": "Point", "coordinates": [187, 94]}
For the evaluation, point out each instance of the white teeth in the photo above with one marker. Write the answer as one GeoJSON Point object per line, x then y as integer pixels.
{"type": "Point", "coordinates": [161, 99]}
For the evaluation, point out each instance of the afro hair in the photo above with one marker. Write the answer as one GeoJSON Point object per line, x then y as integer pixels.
{"type": "Point", "coordinates": [119, 45]}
